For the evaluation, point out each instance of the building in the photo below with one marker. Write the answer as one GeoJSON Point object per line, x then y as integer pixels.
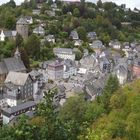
{"type": "Point", "coordinates": [115, 44]}
{"type": "Point", "coordinates": [74, 35]}
{"type": "Point", "coordinates": [9, 114]}
{"type": "Point", "coordinates": [136, 68]}
{"type": "Point", "coordinates": [97, 46]}
{"type": "Point", "coordinates": [91, 36]}
{"type": "Point", "coordinates": [64, 53]}
{"type": "Point", "coordinates": [22, 27]}
{"type": "Point", "coordinates": [18, 88]}
{"type": "Point", "coordinates": [8, 35]}
{"type": "Point", "coordinates": [39, 31]}
{"type": "Point", "coordinates": [121, 71]}
{"type": "Point", "coordinates": [71, 1]}
{"type": "Point", "coordinates": [55, 70]}
{"type": "Point", "coordinates": [37, 80]}
{"type": "Point", "coordinates": [36, 11]}
{"type": "Point", "coordinates": [50, 38]}
{"type": "Point", "coordinates": [29, 19]}
{"type": "Point", "coordinates": [11, 64]}
{"type": "Point", "coordinates": [87, 62]}
{"type": "Point", "coordinates": [105, 65]}
{"type": "Point", "coordinates": [2, 99]}
{"type": "Point", "coordinates": [69, 68]}
{"type": "Point", "coordinates": [78, 42]}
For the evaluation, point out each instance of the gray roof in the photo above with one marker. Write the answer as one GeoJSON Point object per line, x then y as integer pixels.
{"type": "Point", "coordinates": [74, 35]}
{"type": "Point", "coordinates": [11, 64]}
{"type": "Point", "coordinates": [28, 17]}
{"type": "Point", "coordinates": [7, 33]}
{"type": "Point", "coordinates": [35, 73]}
{"type": "Point", "coordinates": [14, 64]}
{"type": "Point", "coordinates": [121, 69]}
{"type": "Point", "coordinates": [91, 35]}
{"type": "Point", "coordinates": [39, 30]}
{"type": "Point", "coordinates": [97, 44]}
{"type": "Point", "coordinates": [17, 78]}
{"type": "Point", "coordinates": [22, 21]}
{"type": "Point", "coordinates": [63, 50]}
{"type": "Point", "coordinates": [22, 106]}
{"type": "Point", "coordinates": [3, 68]}
{"type": "Point", "coordinates": [49, 37]}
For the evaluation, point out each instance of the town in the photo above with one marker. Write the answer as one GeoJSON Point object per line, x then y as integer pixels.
{"type": "Point", "coordinates": [73, 61]}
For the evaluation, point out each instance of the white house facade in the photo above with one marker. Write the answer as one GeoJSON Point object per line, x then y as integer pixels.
{"type": "Point", "coordinates": [64, 53]}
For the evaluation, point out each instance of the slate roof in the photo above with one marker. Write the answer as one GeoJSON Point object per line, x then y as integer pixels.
{"type": "Point", "coordinates": [91, 35]}
{"type": "Point", "coordinates": [35, 73]}
{"type": "Point", "coordinates": [3, 68]}
{"type": "Point", "coordinates": [39, 30]}
{"type": "Point", "coordinates": [17, 78]}
{"type": "Point", "coordinates": [14, 109]}
{"type": "Point", "coordinates": [22, 21]}
{"type": "Point", "coordinates": [74, 35]}
{"type": "Point", "coordinates": [121, 69]}
{"type": "Point", "coordinates": [97, 44]}
{"type": "Point", "coordinates": [14, 64]}
{"type": "Point", "coordinates": [7, 33]}
{"type": "Point", "coordinates": [63, 50]}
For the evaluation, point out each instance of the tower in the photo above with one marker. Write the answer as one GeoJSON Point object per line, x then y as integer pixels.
{"type": "Point", "coordinates": [22, 27]}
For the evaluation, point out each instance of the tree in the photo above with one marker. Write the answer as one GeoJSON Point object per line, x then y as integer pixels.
{"type": "Point", "coordinates": [78, 55]}
{"type": "Point", "coordinates": [19, 40]}
{"type": "Point", "coordinates": [73, 109]}
{"type": "Point", "coordinates": [33, 3]}
{"type": "Point", "coordinates": [111, 86]}
{"type": "Point", "coordinates": [10, 21]}
{"type": "Point", "coordinates": [32, 46]}
{"type": "Point", "coordinates": [11, 3]}
{"type": "Point", "coordinates": [76, 12]}
{"type": "Point", "coordinates": [82, 33]}
{"type": "Point", "coordinates": [99, 3]}
{"type": "Point", "coordinates": [25, 58]}
{"type": "Point", "coordinates": [50, 2]}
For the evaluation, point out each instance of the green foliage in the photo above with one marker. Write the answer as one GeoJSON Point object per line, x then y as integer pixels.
{"type": "Point", "coordinates": [82, 33]}
{"type": "Point", "coordinates": [32, 46]}
{"type": "Point", "coordinates": [123, 120]}
{"type": "Point", "coordinates": [76, 12]}
{"type": "Point", "coordinates": [111, 86]}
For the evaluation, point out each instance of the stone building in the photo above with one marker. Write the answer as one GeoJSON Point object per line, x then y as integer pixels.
{"type": "Point", "coordinates": [11, 64]}
{"type": "Point", "coordinates": [22, 27]}
{"type": "Point", "coordinates": [18, 88]}
{"type": "Point", "coordinates": [55, 70]}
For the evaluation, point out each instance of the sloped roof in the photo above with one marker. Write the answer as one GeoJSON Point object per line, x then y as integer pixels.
{"type": "Point", "coordinates": [7, 33]}
{"type": "Point", "coordinates": [22, 21]}
{"type": "Point", "coordinates": [19, 107]}
{"type": "Point", "coordinates": [17, 78]}
{"type": "Point", "coordinates": [3, 68]}
{"type": "Point", "coordinates": [14, 64]}
{"type": "Point", "coordinates": [63, 50]}
{"type": "Point", "coordinates": [39, 29]}
{"type": "Point", "coordinates": [97, 44]}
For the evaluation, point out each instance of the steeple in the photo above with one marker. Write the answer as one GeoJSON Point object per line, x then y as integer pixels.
{"type": "Point", "coordinates": [17, 53]}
